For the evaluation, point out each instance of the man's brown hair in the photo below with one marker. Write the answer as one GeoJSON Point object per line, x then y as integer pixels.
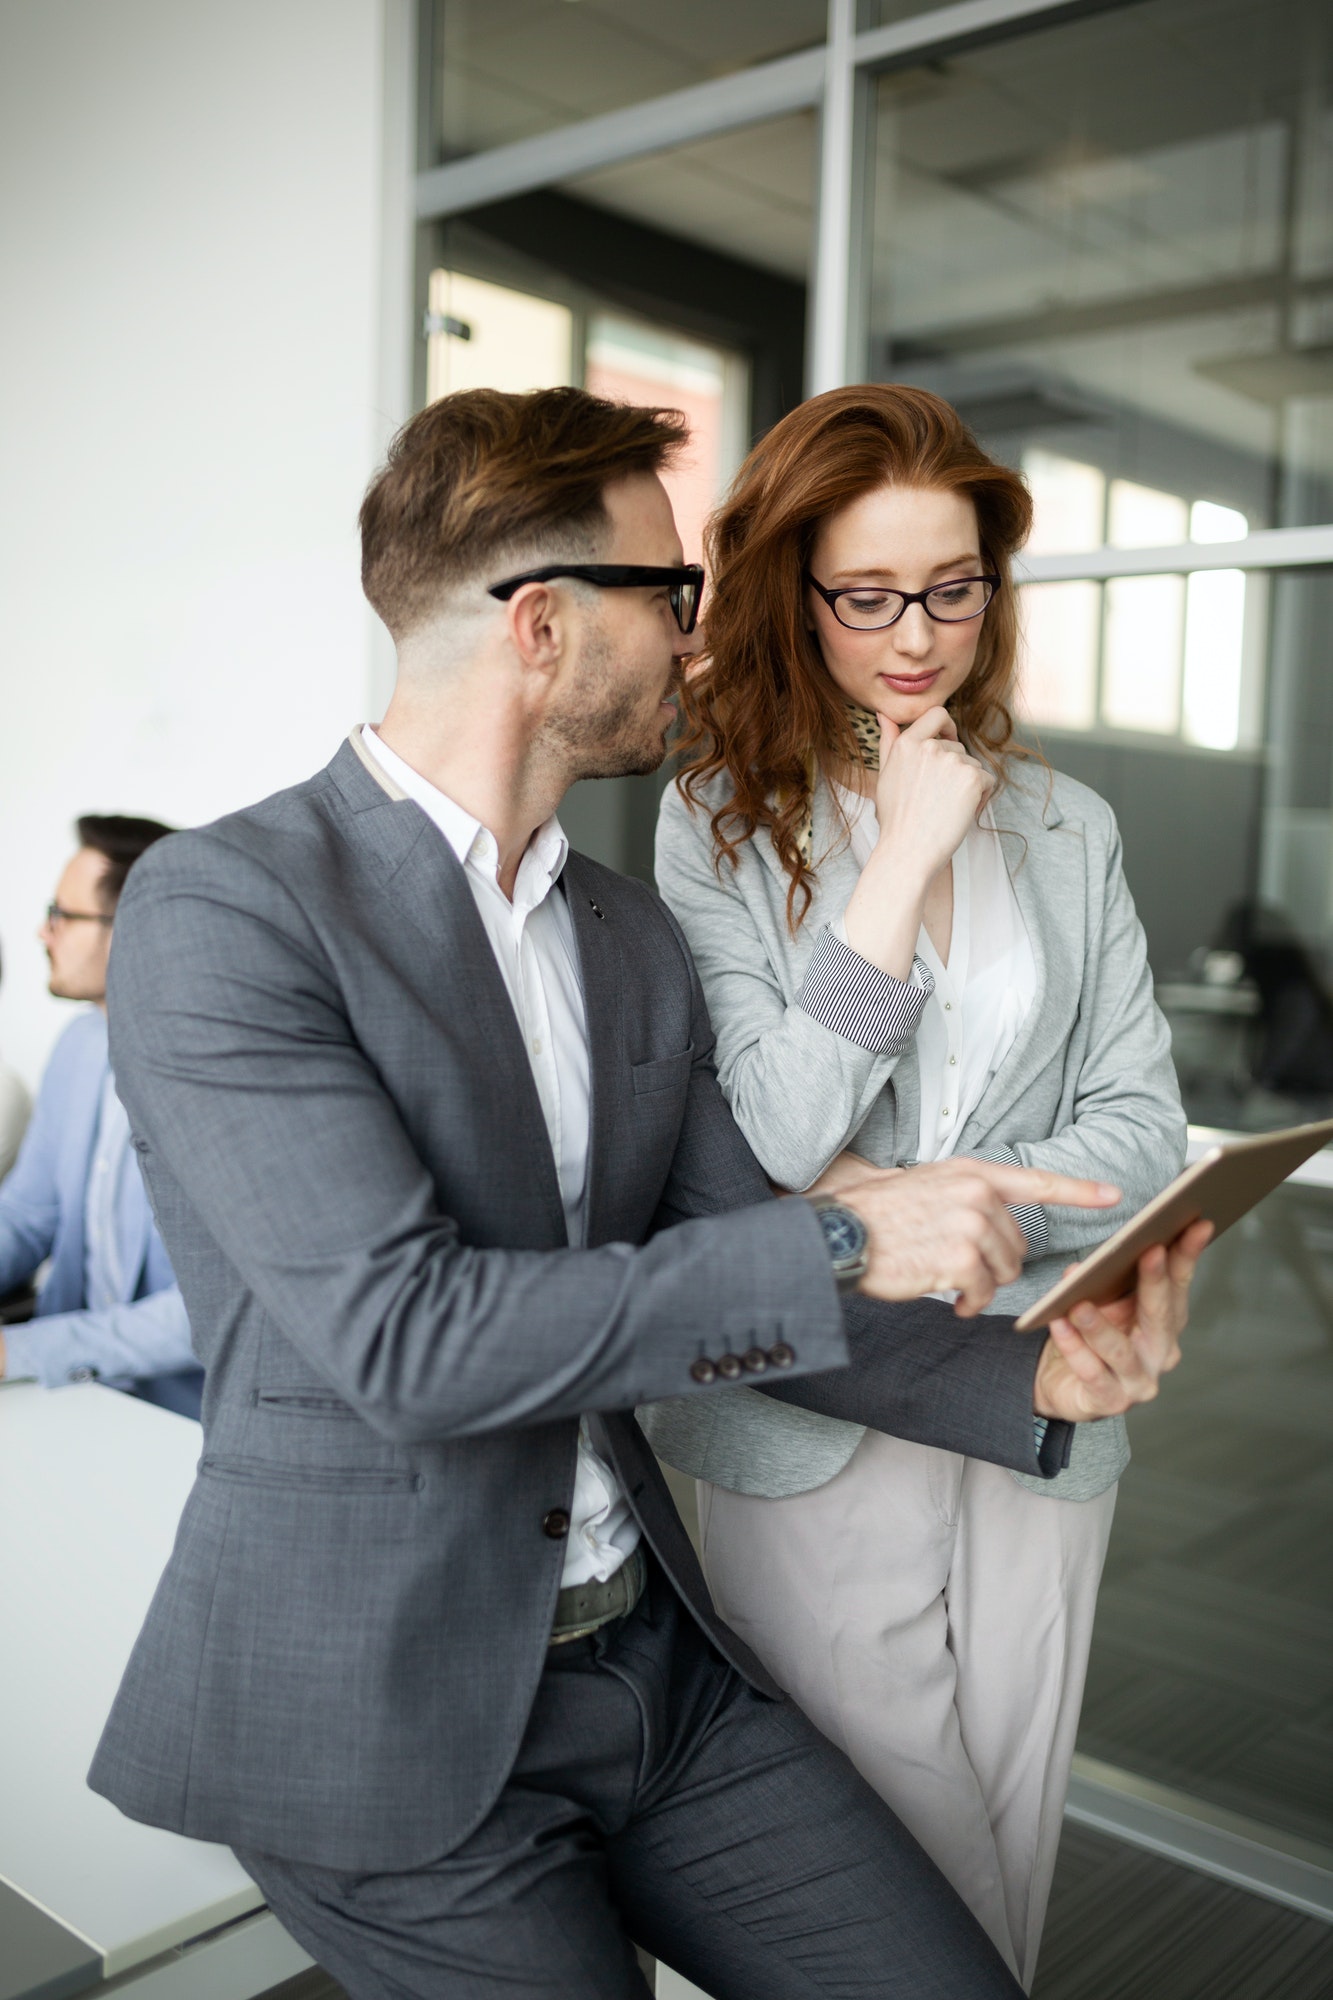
{"type": "Point", "coordinates": [481, 477]}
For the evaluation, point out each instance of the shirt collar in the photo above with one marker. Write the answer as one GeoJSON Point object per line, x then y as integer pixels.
{"type": "Point", "coordinates": [472, 842]}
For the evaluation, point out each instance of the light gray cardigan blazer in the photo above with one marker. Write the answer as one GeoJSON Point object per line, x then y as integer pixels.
{"type": "Point", "coordinates": [1088, 1087]}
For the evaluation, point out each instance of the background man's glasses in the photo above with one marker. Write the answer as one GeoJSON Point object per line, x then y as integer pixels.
{"type": "Point", "coordinates": [55, 915]}
{"type": "Point", "coordinates": [684, 583]}
{"type": "Point", "coordinates": [866, 610]}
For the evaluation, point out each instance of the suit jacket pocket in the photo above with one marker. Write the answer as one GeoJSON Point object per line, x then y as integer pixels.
{"type": "Point", "coordinates": [304, 1403]}
{"type": "Point", "coordinates": [309, 1478]}
{"type": "Point", "coordinates": [663, 1072]}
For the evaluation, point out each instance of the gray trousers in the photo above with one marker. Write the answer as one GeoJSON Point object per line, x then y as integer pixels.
{"type": "Point", "coordinates": [656, 1798]}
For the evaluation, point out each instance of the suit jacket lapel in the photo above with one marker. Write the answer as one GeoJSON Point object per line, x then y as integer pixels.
{"type": "Point", "coordinates": [423, 878]}
{"type": "Point", "coordinates": [602, 967]}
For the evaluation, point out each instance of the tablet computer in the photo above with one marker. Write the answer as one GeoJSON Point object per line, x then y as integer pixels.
{"type": "Point", "coordinates": [1218, 1188]}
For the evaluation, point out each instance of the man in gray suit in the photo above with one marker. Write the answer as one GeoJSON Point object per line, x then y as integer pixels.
{"type": "Point", "coordinates": [426, 1106]}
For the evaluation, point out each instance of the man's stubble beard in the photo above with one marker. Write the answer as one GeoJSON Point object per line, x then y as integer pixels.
{"type": "Point", "coordinates": [603, 733]}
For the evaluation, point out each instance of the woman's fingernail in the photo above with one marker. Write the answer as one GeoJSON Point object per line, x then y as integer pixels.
{"type": "Point", "coordinates": [1084, 1318]}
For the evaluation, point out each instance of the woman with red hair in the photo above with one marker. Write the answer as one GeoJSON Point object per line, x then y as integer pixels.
{"type": "Point", "coordinates": [915, 941]}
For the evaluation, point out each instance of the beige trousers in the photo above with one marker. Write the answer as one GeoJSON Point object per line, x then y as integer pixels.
{"type": "Point", "coordinates": [933, 1619]}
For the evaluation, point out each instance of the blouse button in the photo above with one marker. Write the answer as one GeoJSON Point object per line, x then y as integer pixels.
{"type": "Point", "coordinates": [953, 1059]}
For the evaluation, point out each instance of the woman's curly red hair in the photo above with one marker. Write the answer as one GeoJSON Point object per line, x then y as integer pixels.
{"type": "Point", "coordinates": [762, 706]}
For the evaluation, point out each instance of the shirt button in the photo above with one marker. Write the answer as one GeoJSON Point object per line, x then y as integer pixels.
{"type": "Point", "coordinates": [945, 1112]}
{"type": "Point", "coordinates": [536, 1045]}
{"type": "Point", "coordinates": [556, 1524]}
{"type": "Point", "coordinates": [948, 1006]}
{"type": "Point", "coordinates": [953, 1059]}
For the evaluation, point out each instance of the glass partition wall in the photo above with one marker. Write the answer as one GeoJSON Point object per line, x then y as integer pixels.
{"type": "Point", "coordinates": [1106, 234]}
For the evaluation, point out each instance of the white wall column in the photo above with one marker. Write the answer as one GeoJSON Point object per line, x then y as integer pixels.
{"type": "Point", "coordinates": [198, 380]}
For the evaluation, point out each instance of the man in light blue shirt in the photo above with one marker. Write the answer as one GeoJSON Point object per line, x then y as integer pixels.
{"type": "Point", "coordinates": [108, 1308]}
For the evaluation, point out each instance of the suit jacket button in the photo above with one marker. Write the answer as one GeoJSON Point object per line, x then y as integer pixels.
{"type": "Point", "coordinates": [729, 1367]}
{"type": "Point", "coordinates": [703, 1371]}
{"type": "Point", "coordinates": [755, 1360]}
{"type": "Point", "coordinates": [782, 1356]}
{"type": "Point", "coordinates": [556, 1524]}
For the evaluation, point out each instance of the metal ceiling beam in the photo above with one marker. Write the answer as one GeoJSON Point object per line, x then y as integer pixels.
{"type": "Point", "coordinates": [966, 26]}
{"type": "Point", "coordinates": [1267, 548]}
{"type": "Point", "coordinates": [725, 104]}
{"type": "Point", "coordinates": [1210, 298]}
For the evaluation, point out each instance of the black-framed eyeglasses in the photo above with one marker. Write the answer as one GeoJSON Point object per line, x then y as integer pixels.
{"type": "Point", "coordinates": [55, 915]}
{"type": "Point", "coordinates": [684, 583]}
{"type": "Point", "coordinates": [867, 609]}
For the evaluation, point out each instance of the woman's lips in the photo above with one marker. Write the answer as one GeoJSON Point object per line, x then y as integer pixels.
{"type": "Point", "coordinates": [910, 683]}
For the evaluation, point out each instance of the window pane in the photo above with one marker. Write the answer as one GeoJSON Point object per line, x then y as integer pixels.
{"type": "Point", "coordinates": [1214, 651]}
{"type": "Point", "coordinates": [1113, 240]}
{"type": "Point", "coordinates": [1211, 523]}
{"type": "Point", "coordinates": [505, 69]}
{"type": "Point", "coordinates": [1145, 618]}
{"type": "Point", "coordinates": [684, 281]}
{"type": "Point", "coordinates": [1069, 503]}
{"type": "Point", "coordinates": [1139, 517]}
{"type": "Point", "coordinates": [492, 337]}
{"type": "Point", "coordinates": [1058, 672]}
{"type": "Point", "coordinates": [632, 361]}
{"type": "Point", "coordinates": [749, 194]}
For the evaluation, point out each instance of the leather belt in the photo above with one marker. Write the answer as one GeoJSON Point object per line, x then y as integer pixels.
{"type": "Point", "coordinates": [585, 1607]}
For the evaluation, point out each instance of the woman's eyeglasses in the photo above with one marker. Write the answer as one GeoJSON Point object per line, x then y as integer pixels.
{"type": "Point", "coordinates": [684, 583]}
{"type": "Point", "coordinates": [863, 609]}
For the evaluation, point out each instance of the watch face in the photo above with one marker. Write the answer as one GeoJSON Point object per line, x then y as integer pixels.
{"type": "Point", "coordinates": [844, 1233]}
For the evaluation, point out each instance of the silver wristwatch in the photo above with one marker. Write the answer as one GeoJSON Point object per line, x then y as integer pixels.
{"type": "Point", "coordinates": [847, 1240]}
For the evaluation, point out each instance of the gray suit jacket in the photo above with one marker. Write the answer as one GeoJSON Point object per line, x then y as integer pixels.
{"type": "Point", "coordinates": [346, 1153]}
{"type": "Point", "coordinates": [1088, 1088]}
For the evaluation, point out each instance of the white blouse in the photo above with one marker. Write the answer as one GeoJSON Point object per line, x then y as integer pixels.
{"type": "Point", "coordinates": [982, 994]}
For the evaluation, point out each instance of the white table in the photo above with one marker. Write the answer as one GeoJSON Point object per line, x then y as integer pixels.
{"type": "Point", "coordinates": [91, 1487]}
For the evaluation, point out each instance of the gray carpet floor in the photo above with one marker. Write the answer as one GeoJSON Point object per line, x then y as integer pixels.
{"type": "Point", "coordinates": [1124, 1925]}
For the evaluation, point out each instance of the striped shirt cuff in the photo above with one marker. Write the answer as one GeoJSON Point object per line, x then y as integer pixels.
{"type": "Point", "coordinates": [1030, 1217]}
{"type": "Point", "coordinates": [860, 1001]}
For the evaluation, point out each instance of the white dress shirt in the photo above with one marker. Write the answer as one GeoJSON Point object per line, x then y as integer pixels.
{"type": "Point", "coordinates": [532, 938]}
{"type": "Point", "coordinates": [982, 993]}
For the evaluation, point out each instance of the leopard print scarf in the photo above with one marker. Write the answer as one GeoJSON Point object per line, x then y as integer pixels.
{"type": "Point", "coordinates": [865, 728]}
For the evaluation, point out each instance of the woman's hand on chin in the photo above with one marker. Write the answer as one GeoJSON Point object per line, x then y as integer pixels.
{"type": "Point", "coordinates": [929, 791]}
